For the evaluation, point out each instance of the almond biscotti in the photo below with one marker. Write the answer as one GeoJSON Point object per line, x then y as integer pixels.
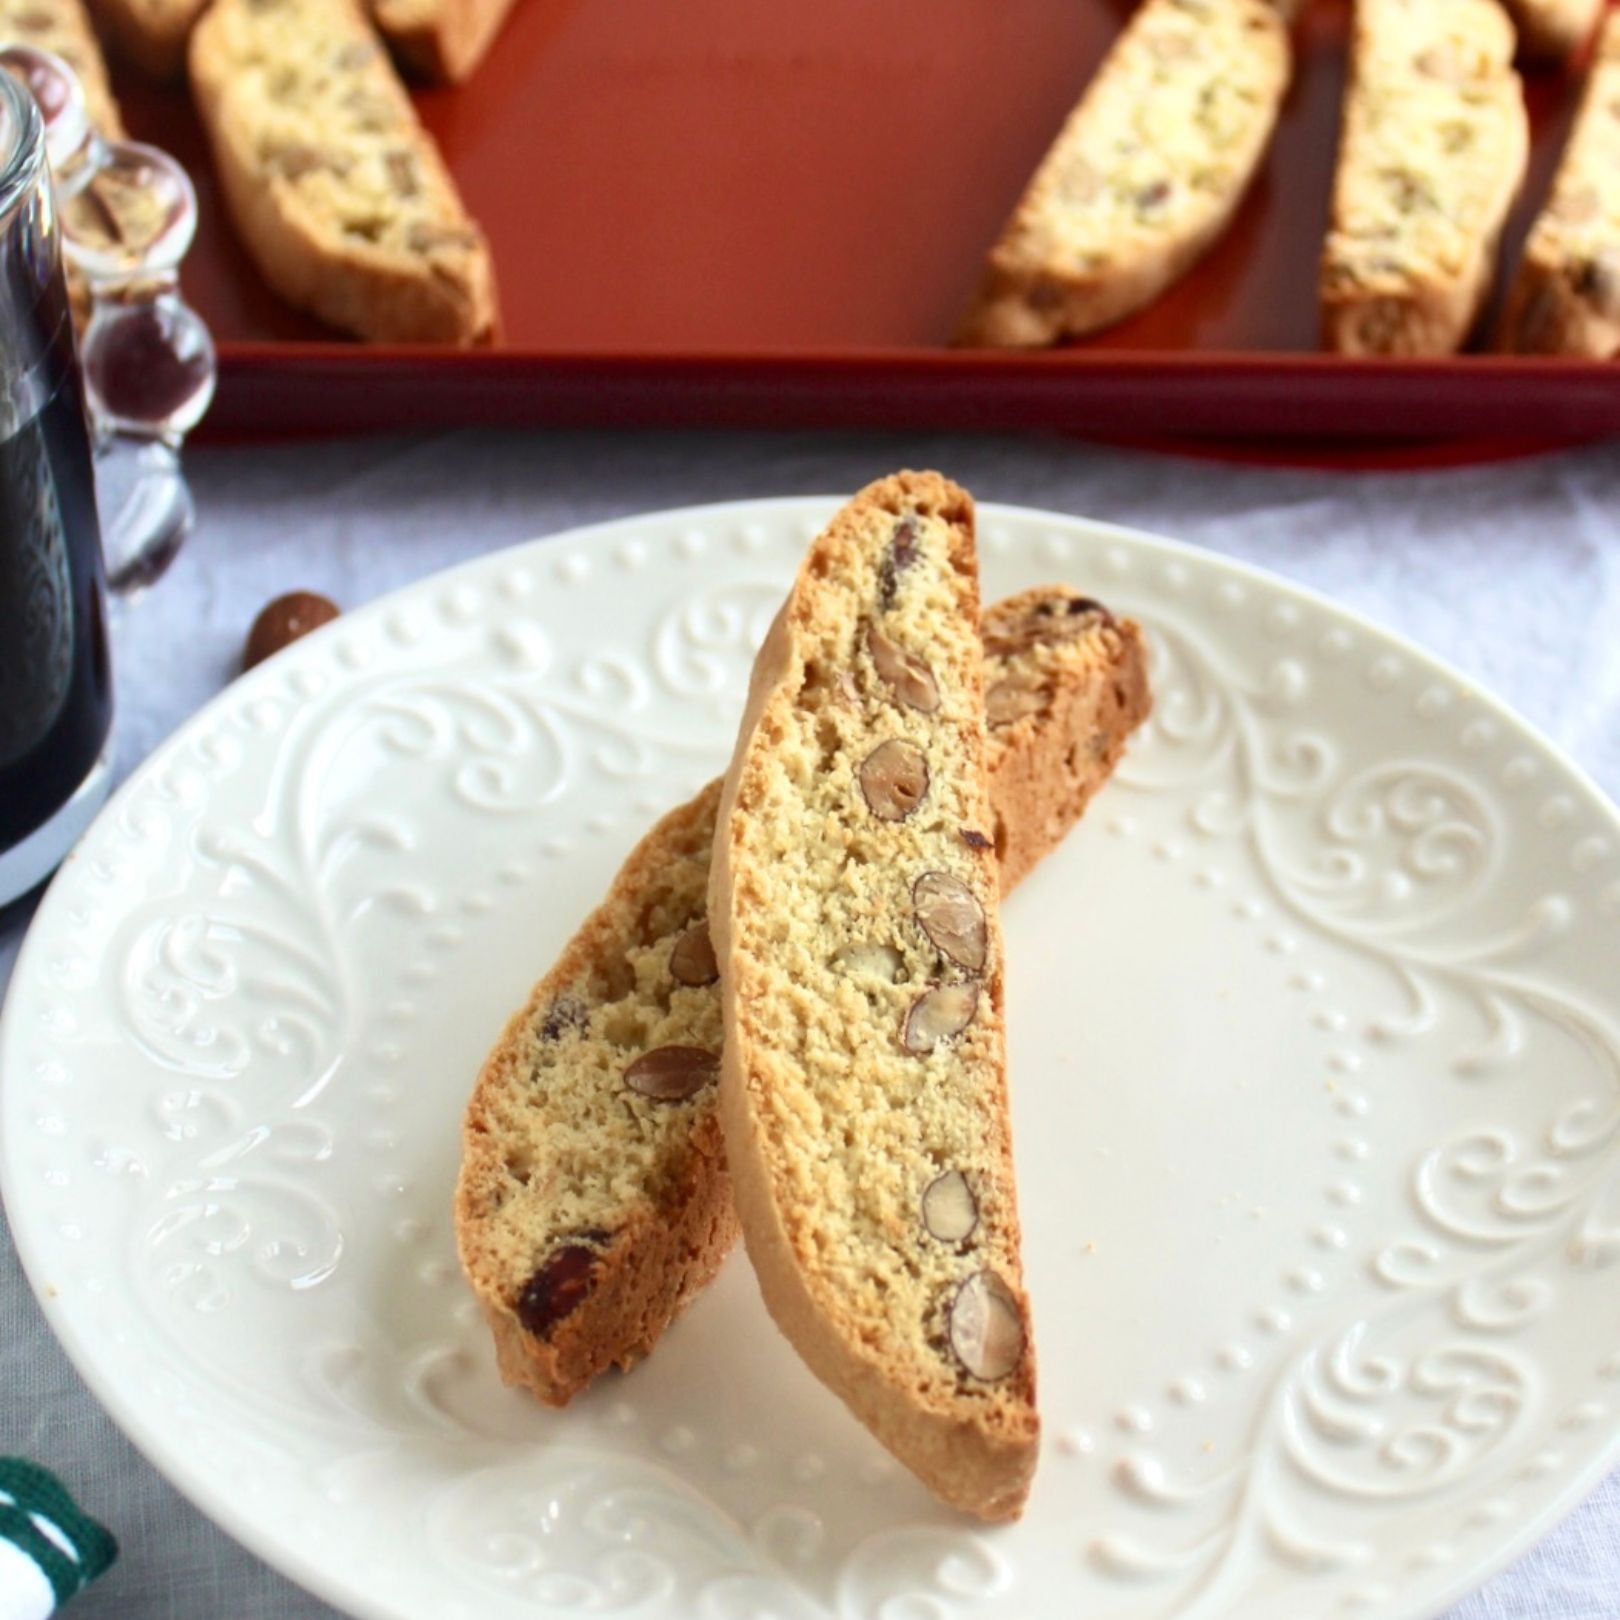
{"type": "Point", "coordinates": [442, 40]}
{"type": "Point", "coordinates": [594, 1200]}
{"type": "Point", "coordinates": [1566, 296]}
{"type": "Point", "coordinates": [63, 27]}
{"type": "Point", "coordinates": [1552, 29]}
{"type": "Point", "coordinates": [331, 181]}
{"type": "Point", "coordinates": [150, 33]}
{"type": "Point", "coordinates": [1144, 176]}
{"type": "Point", "coordinates": [854, 914]}
{"type": "Point", "coordinates": [1432, 154]}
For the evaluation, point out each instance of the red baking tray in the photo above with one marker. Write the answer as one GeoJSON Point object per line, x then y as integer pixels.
{"type": "Point", "coordinates": [723, 212]}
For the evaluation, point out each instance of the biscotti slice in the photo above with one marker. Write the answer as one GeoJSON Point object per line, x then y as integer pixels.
{"type": "Point", "coordinates": [853, 906]}
{"type": "Point", "coordinates": [150, 33]}
{"type": "Point", "coordinates": [442, 40]}
{"type": "Point", "coordinates": [336, 189]}
{"type": "Point", "coordinates": [1065, 683]}
{"type": "Point", "coordinates": [1552, 29]}
{"type": "Point", "coordinates": [63, 27]}
{"type": "Point", "coordinates": [1432, 154]}
{"type": "Point", "coordinates": [1566, 296]}
{"type": "Point", "coordinates": [1143, 177]}
{"type": "Point", "coordinates": [589, 1209]}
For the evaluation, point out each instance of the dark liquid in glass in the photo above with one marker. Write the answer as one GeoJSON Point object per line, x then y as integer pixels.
{"type": "Point", "coordinates": [55, 683]}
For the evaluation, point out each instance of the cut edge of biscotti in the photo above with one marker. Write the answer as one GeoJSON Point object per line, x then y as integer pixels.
{"type": "Point", "coordinates": [1565, 298]}
{"type": "Point", "coordinates": [1111, 219]}
{"type": "Point", "coordinates": [1069, 680]}
{"type": "Point", "coordinates": [344, 202]}
{"type": "Point", "coordinates": [854, 913]}
{"type": "Point", "coordinates": [1433, 151]}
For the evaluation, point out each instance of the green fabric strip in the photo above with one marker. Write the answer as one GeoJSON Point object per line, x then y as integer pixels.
{"type": "Point", "coordinates": [37, 1490]}
{"type": "Point", "coordinates": [60, 1570]}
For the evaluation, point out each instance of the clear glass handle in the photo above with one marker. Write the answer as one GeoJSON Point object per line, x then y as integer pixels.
{"type": "Point", "coordinates": [128, 213]}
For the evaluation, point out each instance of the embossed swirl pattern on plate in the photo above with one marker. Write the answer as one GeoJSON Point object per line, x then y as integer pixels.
{"type": "Point", "coordinates": [274, 921]}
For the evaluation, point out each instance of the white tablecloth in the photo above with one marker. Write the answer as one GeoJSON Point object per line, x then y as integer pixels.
{"type": "Point", "coordinates": [1511, 572]}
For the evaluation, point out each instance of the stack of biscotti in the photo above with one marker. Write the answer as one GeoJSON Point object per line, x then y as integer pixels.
{"type": "Point", "coordinates": [594, 1200]}
{"type": "Point", "coordinates": [1432, 154]}
{"type": "Point", "coordinates": [150, 33]}
{"type": "Point", "coordinates": [335, 187]}
{"type": "Point", "coordinates": [441, 39]}
{"type": "Point", "coordinates": [1143, 178]}
{"type": "Point", "coordinates": [1566, 296]}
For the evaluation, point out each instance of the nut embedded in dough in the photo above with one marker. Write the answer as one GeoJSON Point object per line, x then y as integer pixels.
{"type": "Point", "coordinates": [894, 779]}
{"type": "Point", "coordinates": [672, 1073]}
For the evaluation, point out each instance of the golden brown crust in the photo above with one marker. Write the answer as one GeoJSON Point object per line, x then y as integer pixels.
{"type": "Point", "coordinates": [1143, 178]}
{"type": "Point", "coordinates": [150, 33]}
{"type": "Point", "coordinates": [337, 190]}
{"type": "Point", "coordinates": [1566, 296]}
{"type": "Point", "coordinates": [440, 40]}
{"type": "Point", "coordinates": [976, 1448]}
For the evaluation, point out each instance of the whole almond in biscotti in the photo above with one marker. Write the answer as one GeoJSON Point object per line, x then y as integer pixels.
{"type": "Point", "coordinates": [1143, 178]}
{"type": "Point", "coordinates": [1566, 295]}
{"type": "Point", "coordinates": [586, 1219]}
{"type": "Point", "coordinates": [844, 1096]}
{"type": "Point", "coordinates": [1432, 154]}
{"type": "Point", "coordinates": [333, 184]}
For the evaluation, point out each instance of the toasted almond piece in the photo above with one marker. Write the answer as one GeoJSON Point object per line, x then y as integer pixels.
{"type": "Point", "coordinates": [949, 1210]}
{"type": "Point", "coordinates": [894, 779]}
{"type": "Point", "coordinates": [692, 960]}
{"type": "Point", "coordinates": [672, 1073]}
{"type": "Point", "coordinates": [906, 675]}
{"type": "Point", "coordinates": [987, 1331]}
{"type": "Point", "coordinates": [952, 916]}
{"type": "Point", "coordinates": [875, 961]}
{"type": "Point", "coordinates": [939, 1014]}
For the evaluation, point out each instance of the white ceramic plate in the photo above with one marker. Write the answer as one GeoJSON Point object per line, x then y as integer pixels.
{"type": "Point", "coordinates": [1316, 1065]}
